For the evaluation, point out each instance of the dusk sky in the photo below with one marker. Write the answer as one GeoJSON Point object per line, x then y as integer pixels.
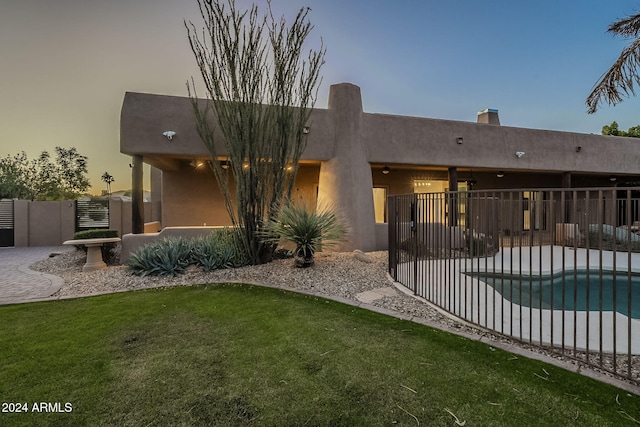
{"type": "Point", "coordinates": [66, 64]}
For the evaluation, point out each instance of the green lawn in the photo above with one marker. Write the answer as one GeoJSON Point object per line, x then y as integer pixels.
{"type": "Point", "coordinates": [240, 355]}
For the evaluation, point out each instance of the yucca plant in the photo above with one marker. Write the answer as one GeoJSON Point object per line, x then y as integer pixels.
{"type": "Point", "coordinates": [307, 229]}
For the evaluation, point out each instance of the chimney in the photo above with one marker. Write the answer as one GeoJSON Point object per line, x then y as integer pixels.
{"type": "Point", "coordinates": [489, 116]}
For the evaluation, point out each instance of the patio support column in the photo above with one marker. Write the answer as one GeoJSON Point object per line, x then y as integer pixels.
{"type": "Point", "coordinates": [566, 180]}
{"type": "Point", "coordinates": [137, 196]}
{"type": "Point", "coordinates": [453, 197]}
{"type": "Point", "coordinates": [345, 182]}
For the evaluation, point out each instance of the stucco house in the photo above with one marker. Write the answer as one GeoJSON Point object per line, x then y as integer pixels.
{"type": "Point", "coordinates": [354, 159]}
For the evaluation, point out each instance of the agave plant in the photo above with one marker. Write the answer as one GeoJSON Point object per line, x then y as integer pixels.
{"type": "Point", "coordinates": [221, 249]}
{"type": "Point", "coordinates": [307, 229]}
{"type": "Point", "coordinates": [168, 257]}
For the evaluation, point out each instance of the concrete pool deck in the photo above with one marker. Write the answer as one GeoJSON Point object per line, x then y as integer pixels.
{"type": "Point", "coordinates": [477, 302]}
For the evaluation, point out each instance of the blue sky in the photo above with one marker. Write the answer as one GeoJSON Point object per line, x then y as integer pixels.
{"type": "Point", "coordinates": [66, 64]}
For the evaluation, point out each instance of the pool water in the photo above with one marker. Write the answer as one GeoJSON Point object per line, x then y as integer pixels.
{"type": "Point", "coordinates": [582, 289]}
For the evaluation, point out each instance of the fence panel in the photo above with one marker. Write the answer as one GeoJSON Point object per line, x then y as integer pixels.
{"type": "Point", "coordinates": [7, 236]}
{"type": "Point", "coordinates": [92, 214]}
{"type": "Point", "coordinates": [554, 268]}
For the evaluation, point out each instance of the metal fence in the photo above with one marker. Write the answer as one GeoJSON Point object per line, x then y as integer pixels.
{"type": "Point", "coordinates": [92, 214]}
{"type": "Point", "coordinates": [6, 223]}
{"type": "Point", "coordinates": [553, 268]}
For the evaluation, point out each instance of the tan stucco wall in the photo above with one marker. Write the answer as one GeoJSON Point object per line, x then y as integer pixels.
{"type": "Point", "coordinates": [49, 223]}
{"type": "Point", "coordinates": [191, 197]}
{"type": "Point", "coordinates": [21, 223]}
{"type": "Point", "coordinates": [144, 117]}
{"type": "Point", "coordinates": [422, 141]}
{"type": "Point", "coordinates": [120, 214]}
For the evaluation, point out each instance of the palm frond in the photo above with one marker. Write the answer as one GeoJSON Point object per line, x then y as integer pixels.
{"type": "Point", "coordinates": [618, 81]}
{"type": "Point", "coordinates": [626, 27]}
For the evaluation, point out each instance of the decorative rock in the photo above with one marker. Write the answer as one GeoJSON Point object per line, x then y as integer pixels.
{"type": "Point", "coordinates": [361, 256]}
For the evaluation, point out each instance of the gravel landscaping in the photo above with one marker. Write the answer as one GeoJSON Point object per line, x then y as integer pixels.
{"type": "Point", "coordinates": [335, 274]}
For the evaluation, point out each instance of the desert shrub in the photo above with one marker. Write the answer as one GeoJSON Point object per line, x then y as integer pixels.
{"type": "Point", "coordinates": [171, 256]}
{"type": "Point", "coordinates": [411, 248]}
{"type": "Point", "coordinates": [221, 249]}
{"type": "Point", "coordinates": [98, 214]}
{"type": "Point", "coordinates": [282, 253]}
{"type": "Point", "coordinates": [610, 243]}
{"type": "Point", "coordinates": [97, 233]}
{"type": "Point", "coordinates": [167, 257]}
{"type": "Point", "coordinates": [110, 253]}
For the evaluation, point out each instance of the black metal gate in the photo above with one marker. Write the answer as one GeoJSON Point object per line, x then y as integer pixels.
{"type": "Point", "coordinates": [6, 223]}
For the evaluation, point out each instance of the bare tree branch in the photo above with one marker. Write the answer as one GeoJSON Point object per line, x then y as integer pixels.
{"type": "Point", "coordinates": [261, 90]}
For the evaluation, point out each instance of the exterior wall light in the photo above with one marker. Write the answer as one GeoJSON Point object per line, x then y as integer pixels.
{"type": "Point", "coordinates": [386, 170]}
{"type": "Point", "coordinates": [459, 140]}
{"type": "Point", "coordinates": [520, 154]}
{"type": "Point", "coordinates": [500, 174]}
{"type": "Point", "coordinates": [578, 149]}
{"type": "Point", "coordinates": [224, 164]}
{"type": "Point", "coordinates": [305, 130]}
{"type": "Point", "coordinates": [169, 134]}
{"type": "Point", "coordinates": [612, 178]}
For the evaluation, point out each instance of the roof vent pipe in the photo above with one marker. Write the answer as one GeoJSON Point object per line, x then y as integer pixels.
{"type": "Point", "coordinates": [489, 116]}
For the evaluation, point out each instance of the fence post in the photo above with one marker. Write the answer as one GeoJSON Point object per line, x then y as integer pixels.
{"type": "Point", "coordinates": [392, 216]}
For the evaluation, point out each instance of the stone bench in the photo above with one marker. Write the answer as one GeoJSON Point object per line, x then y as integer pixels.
{"type": "Point", "coordinates": [94, 251]}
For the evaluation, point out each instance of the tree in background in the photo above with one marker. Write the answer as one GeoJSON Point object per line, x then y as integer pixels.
{"type": "Point", "coordinates": [43, 178]}
{"type": "Point", "coordinates": [623, 75]}
{"type": "Point", "coordinates": [107, 179]}
{"type": "Point", "coordinates": [15, 176]}
{"type": "Point", "coordinates": [612, 129]}
{"type": "Point", "coordinates": [262, 89]}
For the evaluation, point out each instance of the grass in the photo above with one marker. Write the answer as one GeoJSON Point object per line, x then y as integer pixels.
{"type": "Point", "coordinates": [241, 355]}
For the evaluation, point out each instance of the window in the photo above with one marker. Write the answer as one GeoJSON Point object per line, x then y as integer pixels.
{"type": "Point", "coordinates": [380, 203]}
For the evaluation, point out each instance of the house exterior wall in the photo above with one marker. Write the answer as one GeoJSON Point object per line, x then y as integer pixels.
{"type": "Point", "coordinates": [191, 197]}
{"type": "Point", "coordinates": [349, 148]}
{"type": "Point", "coordinates": [419, 141]}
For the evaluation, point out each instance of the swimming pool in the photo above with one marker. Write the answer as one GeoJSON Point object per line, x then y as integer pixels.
{"type": "Point", "coordinates": [582, 290]}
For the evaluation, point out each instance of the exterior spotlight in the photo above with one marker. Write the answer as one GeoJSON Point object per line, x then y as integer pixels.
{"type": "Point", "coordinates": [500, 174]}
{"type": "Point", "coordinates": [578, 149]}
{"type": "Point", "coordinates": [520, 154]}
{"type": "Point", "coordinates": [386, 170]}
{"type": "Point", "coordinates": [305, 130]}
{"type": "Point", "coordinates": [169, 134]}
{"type": "Point", "coordinates": [459, 140]}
